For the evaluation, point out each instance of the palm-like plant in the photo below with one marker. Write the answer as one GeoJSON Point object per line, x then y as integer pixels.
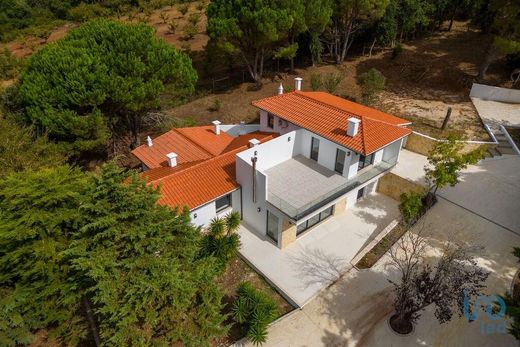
{"type": "Point", "coordinates": [254, 310]}
{"type": "Point", "coordinates": [221, 241]}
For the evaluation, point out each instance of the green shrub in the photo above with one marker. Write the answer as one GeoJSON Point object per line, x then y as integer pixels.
{"type": "Point", "coordinates": [84, 12]}
{"type": "Point", "coordinates": [411, 207]}
{"type": "Point", "coordinates": [372, 82]}
{"type": "Point", "coordinates": [183, 9]}
{"type": "Point", "coordinates": [164, 17]}
{"type": "Point", "coordinates": [172, 26]}
{"type": "Point", "coordinates": [10, 65]}
{"type": "Point", "coordinates": [194, 18]}
{"type": "Point", "coordinates": [190, 30]}
{"type": "Point", "coordinates": [332, 81]}
{"type": "Point", "coordinates": [397, 50]}
{"type": "Point", "coordinates": [316, 82]}
{"type": "Point", "coordinates": [254, 310]}
{"type": "Point", "coordinates": [215, 107]}
{"type": "Point", "coordinates": [221, 240]}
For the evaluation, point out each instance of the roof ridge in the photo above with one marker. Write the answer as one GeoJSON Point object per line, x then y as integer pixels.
{"type": "Point", "coordinates": [202, 162]}
{"type": "Point", "coordinates": [195, 143]}
{"type": "Point", "coordinates": [301, 93]}
{"type": "Point", "coordinates": [210, 160]}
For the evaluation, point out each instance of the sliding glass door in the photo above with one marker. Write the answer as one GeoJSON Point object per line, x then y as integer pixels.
{"type": "Point", "coordinates": [272, 226]}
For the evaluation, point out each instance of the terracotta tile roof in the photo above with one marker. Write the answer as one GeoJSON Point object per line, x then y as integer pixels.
{"type": "Point", "coordinates": [327, 115]}
{"type": "Point", "coordinates": [173, 141]}
{"type": "Point", "coordinates": [196, 183]}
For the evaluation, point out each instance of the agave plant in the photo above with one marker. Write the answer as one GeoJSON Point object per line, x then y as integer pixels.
{"type": "Point", "coordinates": [254, 310]}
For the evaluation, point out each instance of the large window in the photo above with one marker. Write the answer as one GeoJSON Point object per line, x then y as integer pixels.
{"type": "Point", "coordinates": [272, 226]}
{"type": "Point", "coordinates": [309, 223]}
{"type": "Point", "coordinates": [270, 121]}
{"type": "Point", "coordinates": [315, 148]}
{"type": "Point", "coordinates": [340, 161]}
{"type": "Point", "coordinates": [365, 161]}
{"type": "Point", "coordinates": [223, 203]}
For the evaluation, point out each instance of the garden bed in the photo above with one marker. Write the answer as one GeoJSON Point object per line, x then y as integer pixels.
{"type": "Point", "coordinates": [236, 272]}
{"type": "Point", "coordinates": [381, 248]}
{"type": "Point", "coordinates": [373, 255]}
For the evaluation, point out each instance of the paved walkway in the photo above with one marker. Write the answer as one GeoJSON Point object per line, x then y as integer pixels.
{"type": "Point", "coordinates": [411, 166]}
{"type": "Point", "coordinates": [354, 310]}
{"type": "Point", "coordinates": [321, 254]}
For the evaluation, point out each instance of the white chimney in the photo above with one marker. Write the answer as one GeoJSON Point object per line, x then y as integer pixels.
{"type": "Point", "coordinates": [298, 83]}
{"type": "Point", "coordinates": [280, 89]}
{"type": "Point", "coordinates": [242, 130]}
{"type": "Point", "coordinates": [149, 141]}
{"type": "Point", "coordinates": [216, 123]}
{"type": "Point", "coordinates": [253, 143]}
{"type": "Point", "coordinates": [353, 126]}
{"type": "Point", "coordinates": [172, 159]}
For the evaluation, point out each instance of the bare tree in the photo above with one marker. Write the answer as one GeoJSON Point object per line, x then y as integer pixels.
{"type": "Point", "coordinates": [422, 284]}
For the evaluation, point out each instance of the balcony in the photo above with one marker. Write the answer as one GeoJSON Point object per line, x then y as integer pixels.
{"type": "Point", "coordinates": [300, 186]}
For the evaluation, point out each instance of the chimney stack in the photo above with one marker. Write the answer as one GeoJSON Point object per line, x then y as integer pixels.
{"type": "Point", "coordinates": [149, 141]}
{"type": "Point", "coordinates": [353, 126]}
{"type": "Point", "coordinates": [298, 83]}
{"type": "Point", "coordinates": [280, 89]}
{"type": "Point", "coordinates": [253, 143]}
{"type": "Point", "coordinates": [172, 159]}
{"type": "Point", "coordinates": [242, 130]}
{"type": "Point", "coordinates": [216, 123]}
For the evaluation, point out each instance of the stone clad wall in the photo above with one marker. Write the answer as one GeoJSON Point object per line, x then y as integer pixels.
{"type": "Point", "coordinates": [393, 186]}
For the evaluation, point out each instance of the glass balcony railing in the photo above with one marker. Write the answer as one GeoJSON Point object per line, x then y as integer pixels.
{"type": "Point", "coordinates": [366, 175]}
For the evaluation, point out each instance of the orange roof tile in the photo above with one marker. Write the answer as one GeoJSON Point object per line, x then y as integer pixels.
{"type": "Point", "coordinates": [327, 115]}
{"type": "Point", "coordinates": [197, 183]}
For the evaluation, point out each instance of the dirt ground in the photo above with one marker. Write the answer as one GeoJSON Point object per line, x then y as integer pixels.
{"type": "Point", "coordinates": [25, 46]}
{"type": "Point", "coordinates": [430, 75]}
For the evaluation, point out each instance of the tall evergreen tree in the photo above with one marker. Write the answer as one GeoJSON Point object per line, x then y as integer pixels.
{"type": "Point", "coordinates": [39, 213]}
{"type": "Point", "coordinates": [249, 28]}
{"type": "Point", "coordinates": [140, 263]}
{"type": "Point", "coordinates": [103, 73]}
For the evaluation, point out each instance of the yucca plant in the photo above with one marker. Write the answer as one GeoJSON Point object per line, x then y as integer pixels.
{"type": "Point", "coordinates": [221, 241]}
{"type": "Point", "coordinates": [254, 310]}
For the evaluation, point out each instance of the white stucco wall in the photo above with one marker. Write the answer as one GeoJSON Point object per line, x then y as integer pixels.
{"type": "Point", "coordinates": [273, 152]}
{"type": "Point", "coordinates": [282, 127]}
{"type": "Point", "coordinates": [392, 150]}
{"type": "Point", "coordinates": [250, 214]}
{"type": "Point", "coordinates": [202, 215]}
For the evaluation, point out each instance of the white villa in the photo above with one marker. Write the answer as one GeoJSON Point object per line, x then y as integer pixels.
{"type": "Point", "coordinates": [312, 156]}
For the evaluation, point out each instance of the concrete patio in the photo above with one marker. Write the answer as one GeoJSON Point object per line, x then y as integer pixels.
{"type": "Point", "coordinates": [320, 255]}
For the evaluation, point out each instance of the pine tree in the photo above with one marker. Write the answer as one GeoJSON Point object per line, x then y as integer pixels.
{"type": "Point", "coordinates": [39, 213]}
{"type": "Point", "coordinates": [140, 263]}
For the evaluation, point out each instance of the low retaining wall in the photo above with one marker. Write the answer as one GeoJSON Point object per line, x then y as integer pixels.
{"type": "Point", "coordinates": [486, 92]}
{"type": "Point", "coordinates": [423, 144]}
{"type": "Point", "coordinates": [393, 186]}
{"type": "Point", "coordinates": [374, 242]}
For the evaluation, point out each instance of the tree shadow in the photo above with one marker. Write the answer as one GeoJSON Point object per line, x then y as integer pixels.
{"type": "Point", "coordinates": [316, 266]}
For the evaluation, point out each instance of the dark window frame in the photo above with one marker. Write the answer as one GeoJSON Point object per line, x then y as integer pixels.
{"type": "Point", "coordinates": [315, 140]}
{"type": "Point", "coordinates": [360, 193]}
{"type": "Point", "coordinates": [269, 213]}
{"type": "Point", "coordinates": [270, 120]}
{"type": "Point", "coordinates": [363, 162]}
{"type": "Point", "coordinates": [228, 203]}
{"type": "Point", "coordinates": [337, 164]}
{"type": "Point", "coordinates": [321, 218]}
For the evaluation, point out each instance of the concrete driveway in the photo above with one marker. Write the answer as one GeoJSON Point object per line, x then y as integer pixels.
{"type": "Point", "coordinates": [320, 255]}
{"type": "Point", "coordinates": [354, 310]}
